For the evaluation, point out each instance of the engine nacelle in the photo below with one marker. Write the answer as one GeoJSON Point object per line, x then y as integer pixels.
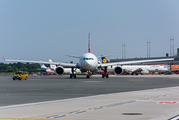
{"type": "Point", "coordinates": [59, 70]}
{"type": "Point", "coordinates": [118, 70]}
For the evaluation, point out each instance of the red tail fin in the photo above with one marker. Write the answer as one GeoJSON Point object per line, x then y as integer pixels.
{"type": "Point", "coordinates": [89, 44]}
{"type": "Point", "coordinates": [3, 58]}
{"type": "Point", "coordinates": [175, 56]}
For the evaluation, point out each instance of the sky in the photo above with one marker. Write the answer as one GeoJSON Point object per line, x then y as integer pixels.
{"type": "Point", "coordinates": [51, 29]}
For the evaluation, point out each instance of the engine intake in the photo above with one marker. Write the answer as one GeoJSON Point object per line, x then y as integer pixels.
{"type": "Point", "coordinates": [118, 70]}
{"type": "Point", "coordinates": [59, 70]}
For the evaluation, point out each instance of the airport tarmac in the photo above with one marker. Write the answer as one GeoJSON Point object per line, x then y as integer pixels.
{"type": "Point", "coordinates": [118, 97]}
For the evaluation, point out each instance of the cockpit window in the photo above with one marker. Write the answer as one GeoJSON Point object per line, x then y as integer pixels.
{"type": "Point", "coordinates": [87, 58]}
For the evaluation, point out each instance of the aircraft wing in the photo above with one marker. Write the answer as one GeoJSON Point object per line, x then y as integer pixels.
{"type": "Point", "coordinates": [132, 62]}
{"type": "Point", "coordinates": [42, 62]}
{"type": "Point", "coordinates": [72, 56]}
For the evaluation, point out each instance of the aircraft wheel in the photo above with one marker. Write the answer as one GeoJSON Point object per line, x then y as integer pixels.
{"type": "Point", "coordinates": [74, 75]}
{"type": "Point", "coordinates": [102, 75]}
{"type": "Point", "coordinates": [107, 76]}
{"type": "Point", "coordinates": [70, 75]}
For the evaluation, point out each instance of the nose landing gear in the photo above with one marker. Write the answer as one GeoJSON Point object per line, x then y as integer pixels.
{"type": "Point", "coordinates": [72, 75]}
{"type": "Point", "coordinates": [105, 75]}
{"type": "Point", "coordinates": [88, 74]}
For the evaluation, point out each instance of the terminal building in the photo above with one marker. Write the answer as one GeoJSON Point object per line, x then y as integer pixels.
{"type": "Point", "coordinates": [174, 64]}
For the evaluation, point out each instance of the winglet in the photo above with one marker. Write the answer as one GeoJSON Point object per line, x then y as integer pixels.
{"type": "Point", "coordinates": [3, 58]}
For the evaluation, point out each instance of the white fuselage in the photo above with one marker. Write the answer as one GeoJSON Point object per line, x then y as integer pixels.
{"type": "Point", "coordinates": [152, 68]}
{"type": "Point", "coordinates": [88, 63]}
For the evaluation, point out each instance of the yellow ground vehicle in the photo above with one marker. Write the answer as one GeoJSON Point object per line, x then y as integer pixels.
{"type": "Point", "coordinates": [20, 75]}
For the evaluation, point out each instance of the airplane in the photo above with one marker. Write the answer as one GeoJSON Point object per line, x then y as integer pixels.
{"type": "Point", "coordinates": [53, 67]}
{"type": "Point", "coordinates": [143, 69]}
{"type": "Point", "coordinates": [45, 68]}
{"type": "Point", "coordinates": [88, 63]}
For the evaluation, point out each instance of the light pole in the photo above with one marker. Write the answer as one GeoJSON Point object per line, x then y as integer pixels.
{"type": "Point", "coordinates": [122, 50]}
{"type": "Point", "coordinates": [148, 49]}
{"type": "Point", "coordinates": [171, 46]}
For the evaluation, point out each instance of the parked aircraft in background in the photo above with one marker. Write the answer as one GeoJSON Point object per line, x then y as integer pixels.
{"type": "Point", "coordinates": [143, 69]}
{"type": "Point", "coordinates": [45, 68]}
{"type": "Point", "coordinates": [88, 63]}
{"type": "Point", "coordinates": [53, 67]}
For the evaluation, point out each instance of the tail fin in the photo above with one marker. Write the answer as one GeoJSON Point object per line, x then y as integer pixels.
{"type": "Point", "coordinates": [175, 56]}
{"type": "Point", "coordinates": [99, 62]}
{"type": "Point", "coordinates": [50, 60]}
{"type": "Point", "coordinates": [3, 58]}
{"type": "Point", "coordinates": [89, 44]}
{"type": "Point", "coordinates": [52, 66]}
{"type": "Point", "coordinates": [104, 60]}
{"type": "Point", "coordinates": [43, 66]}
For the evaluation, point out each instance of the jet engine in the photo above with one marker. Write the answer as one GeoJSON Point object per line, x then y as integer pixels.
{"type": "Point", "coordinates": [118, 70]}
{"type": "Point", "coordinates": [59, 70]}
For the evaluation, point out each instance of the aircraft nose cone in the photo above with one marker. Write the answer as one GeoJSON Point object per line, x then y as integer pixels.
{"type": "Point", "coordinates": [88, 66]}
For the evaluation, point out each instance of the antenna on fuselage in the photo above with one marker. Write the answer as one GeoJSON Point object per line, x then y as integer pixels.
{"type": "Point", "coordinates": [89, 44]}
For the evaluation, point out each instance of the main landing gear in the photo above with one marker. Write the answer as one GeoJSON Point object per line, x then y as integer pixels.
{"type": "Point", "coordinates": [105, 73]}
{"type": "Point", "coordinates": [72, 75]}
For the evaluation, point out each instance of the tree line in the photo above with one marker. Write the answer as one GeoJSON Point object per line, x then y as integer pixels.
{"type": "Point", "coordinates": [13, 67]}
